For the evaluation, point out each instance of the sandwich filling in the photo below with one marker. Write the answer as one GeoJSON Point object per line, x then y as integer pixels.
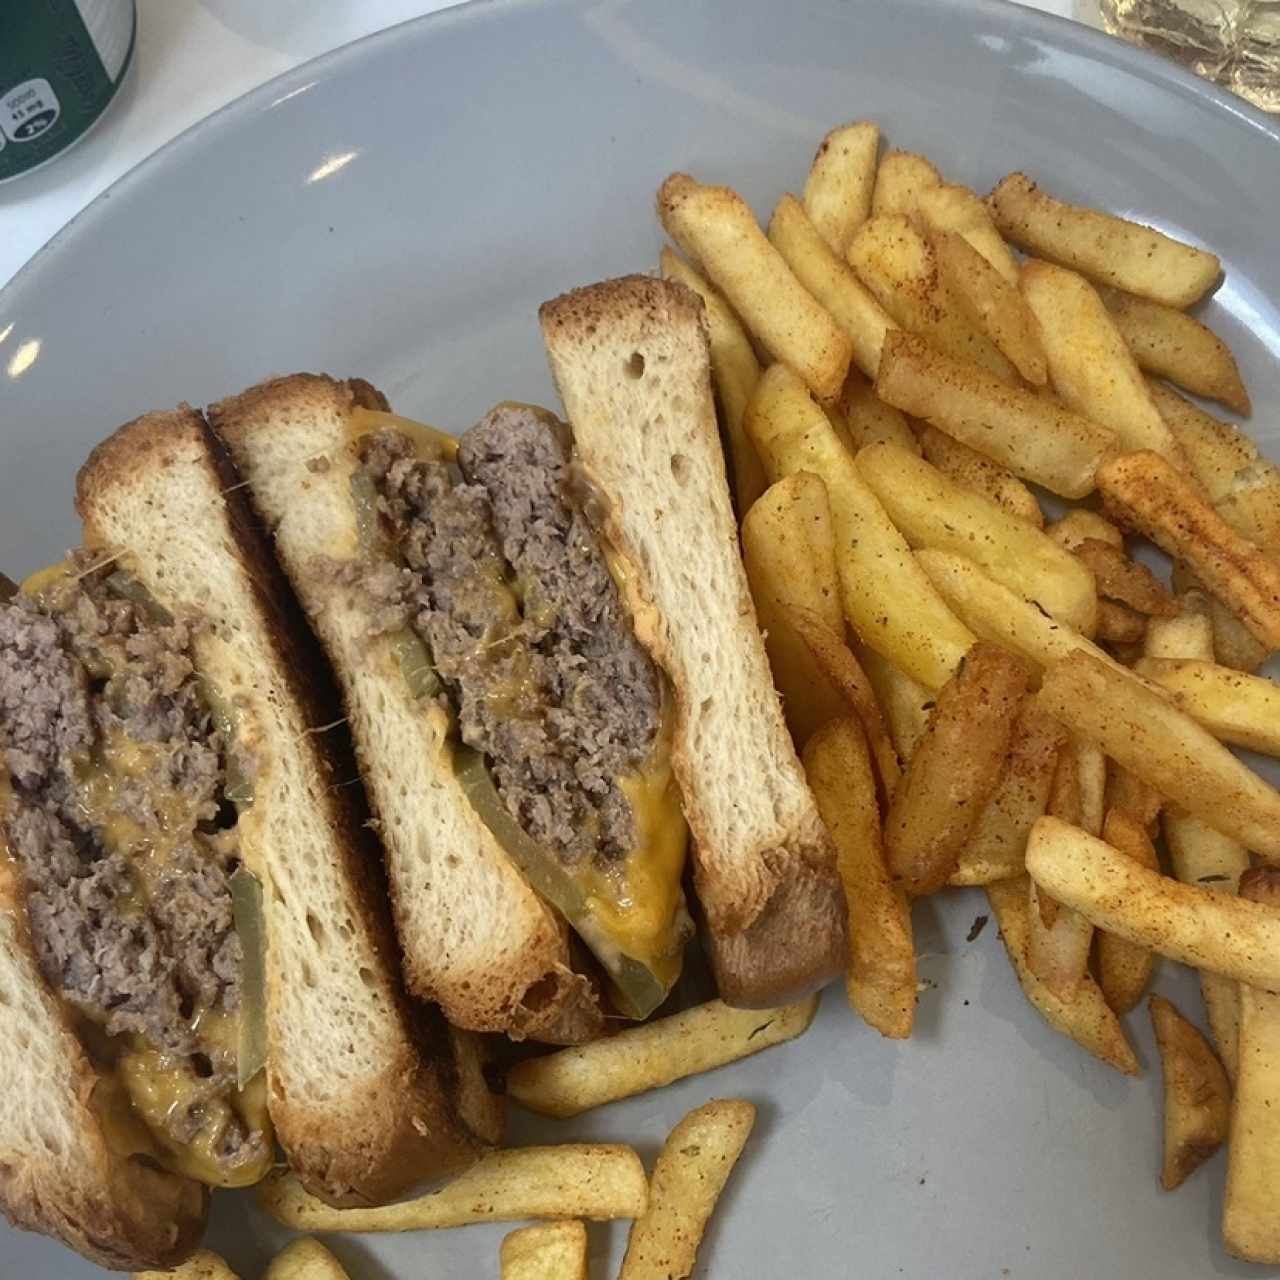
{"type": "Point", "coordinates": [118, 810]}
{"type": "Point", "coordinates": [496, 569]}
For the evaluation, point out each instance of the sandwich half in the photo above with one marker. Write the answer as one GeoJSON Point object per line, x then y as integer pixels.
{"type": "Point", "coordinates": [191, 943]}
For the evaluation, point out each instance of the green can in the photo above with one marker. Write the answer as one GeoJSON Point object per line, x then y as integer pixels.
{"type": "Point", "coordinates": [61, 63]}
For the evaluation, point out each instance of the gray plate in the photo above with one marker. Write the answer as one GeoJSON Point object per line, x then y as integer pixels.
{"type": "Point", "coordinates": [482, 161]}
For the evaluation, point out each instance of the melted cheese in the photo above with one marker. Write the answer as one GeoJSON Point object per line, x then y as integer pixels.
{"type": "Point", "coordinates": [431, 445]}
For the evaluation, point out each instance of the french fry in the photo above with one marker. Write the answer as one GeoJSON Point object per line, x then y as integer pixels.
{"type": "Point", "coordinates": [955, 769]}
{"type": "Point", "coordinates": [1121, 579]}
{"type": "Point", "coordinates": [880, 979]}
{"type": "Point", "coordinates": [900, 270]}
{"type": "Point", "coordinates": [1250, 1210]}
{"type": "Point", "coordinates": [1197, 1097]}
{"type": "Point", "coordinates": [1036, 439]}
{"type": "Point", "coordinates": [842, 178]}
{"type": "Point", "coordinates": [1146, 733]}
{"type": "Point", "coordinates": [692, 1169]}
{"type": "Point", "coordinates": [715, 227]}
{"type": "Point", "coordinates": [1124, 967]}
{"type": "Point", "coordinates": [1089, 364]}
{"type": "Point", "coordinates": [1215, 449]}
{"type": "Point", "coordinates": [305, 1259]}
{"type": "Point", "coordinates": [1174, 345]}
{"type": "Point", "coordinates": [933, 511]}
{"type": "Point", "coordinates": [906, 704]}
{"type": "Point", "coordinates": [997, 845]}
{"type": "Point", "coordinates": [1234, 707]}
{"type": "Point", "coordinates": [870, 420]}
{"type": "Point", "coordinates": [1087, 1019]}
{"type": "Point", "coordinates": [204, 1264]}
{"type": "Point", "coordinates": [976, 471]}
{"type": "Point", "coordinates": [1152, 497]}
{"type": "Point", "coordinates": [1106, 249]}
{"type": "Point", "coordinates": [1058, 944]}
{"type": "Point", "coordinates": [1120, 626]}
{"type": "Point", "coordinates": [1231, 936]}
{"type": "Point", "coordinates": [550, 1251]}
{"type": "Point", "coordinates": [1251, 504]}
{"type": "Point", "coordinates": [734, 370]}
{"type": "Point", "coordinates": [649, 1056]}
{"type": "Point", "coordinates": [1234, 645]}
{"type": "Point", "coordinates": [900, 179]}
{"type": "Point", "coordinates": [954, 208]}
{"type": "Point", "coordinates": [1080, 525]}
{"type": "Point", "coordinates": [1209, 860]}
{"type": "Point", "coordinates": [1128, 794]}
{"type": "Point", "coordinates": [1186, 634]}
{"type": "Point", "coordinates": [918, 633]}
{"type": "Point", "coordinates": [991, 304]}
{"type": "Point", "coordinates": [576, 1180]}
{"type": "Point", "coordinates": [832, 281]}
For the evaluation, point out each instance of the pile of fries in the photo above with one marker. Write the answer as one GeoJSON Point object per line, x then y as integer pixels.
{"type": "Point", "coordinates": [984, 694]}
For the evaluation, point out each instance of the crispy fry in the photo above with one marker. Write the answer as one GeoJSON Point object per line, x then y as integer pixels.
{"type": "Point", "coordinates": [1089, 364]}
{"type": "Point", "coordinates": [880, 980]}
{"type": "Point", "coordinates": [735, 371]}
{"type": "Point", "coordinates": [1164, 747]}
{"type": "Point", "coordinates": [900, 179]}
{"type": "Point", "coordinates": [1036, 439]}
{"type": "Point", "coordinates": [954, 208]}
{"type": "Point", "coordinates": [955, 769]}
{"type": "Point", "coordinates": [1234, 707]}
{"type": "Point", "coordinates": [550, 1251]}
{"type": "Point", "coordinates": [649, 1056]}
{"type": "Point", "coordinates": [1230, 936]}
{"type": "Point", "coordinates": [991, 304]}
{"type": "Point", "coordinates": [715, 227]}
{"type": "Point", "coordinates": [1252, 503]}
{"type": "Point", "coordinates": [906, 704]}
{"type": "Point", "coordinates": [1120, 626]}
{"type": "Point", "coordinates": [1080, 525]}
{"type": "Point", "coordinates": [1125, 580]}
{"type": "Point", "coordinates": [976, 471]}
{"type": "Point", "coordinates": [1108, 250]}
{"type": "Point", "coordinates": [1154, 498]}
{"type": "Point", "coordinates": [575, 1180]}
{"type": "Point", "coordinates": [692, 1169]}
{"type": "Point", "coordinates": [1215, 449]}
{"type": "Point", "coordinates": [1197, 1097]}
{"type": "Point", "coordinates": [887, 599]}
{"type": "Point", "coordinates": [204, 1264]}
{"type": "Point", "coordinates": [870, 420]}
{"type": "Point", "coordinates": [842, 178]}
{"type": "Point", "coordinates": [832, 281]}
{"type": "Point", "coordinates": [1250, 1210]}
{"type": "Point", "coordinates": [305, 1259]}
{"type": "Point", "coordinates": [1124, 967]}
{"type": "Point", "coordinates": [1174, 345]}
{"type": "Point", "coordinates": [1234, 645]}
{"type": "Point", "coordinates": [1126, 793]}
{"type": "Point", "coordinates": [1186, 634]}
{"type": "Point", "coordinates": [900, 269]}
{"type": "Point", "coordinates": [1058, 944]}
{"type": "Point", "coordinates": [933, 511]}
{"type": "Point", "coordinates": [1088, 1019]}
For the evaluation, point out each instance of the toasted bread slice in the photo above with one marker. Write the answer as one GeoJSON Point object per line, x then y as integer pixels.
{"type": "Point", "coordinates": [476, 937]}
{"type": "Point", "coordinates": [367, 1097]}
{"type": "Point", "coordinates": [630, 359]}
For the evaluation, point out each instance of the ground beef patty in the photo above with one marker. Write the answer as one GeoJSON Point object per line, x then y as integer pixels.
{"type": "Point", "coordinates": [509, 589]}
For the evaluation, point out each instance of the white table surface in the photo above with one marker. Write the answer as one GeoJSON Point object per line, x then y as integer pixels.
{"type": "Point", "coordinates": [192, 57]}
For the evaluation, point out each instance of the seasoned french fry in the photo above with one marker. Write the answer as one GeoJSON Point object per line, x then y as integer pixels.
{"type": "Point", "coordinates": [1087, 1019]}
{"type": "Point", "coordinates": [715, 227]}
{"type": "Point", "coordinates": [735, 371]}
{"type": "Point", "coordinates": [1106, 249]}
{"type": "Point", "coordinates": [1126, 581]}
{"type": "Point", "coordinates": [1252, 503]}
{"type": "Point", "coordinates": [1120, 626]}
{"type": "Point", "coordinates": [1128, 794]}
{"type": "Point", "coordinates": [1234, 707]}
{"type": "Point", "coordinates": [997, 845]}
{"type": "Point", "coordinates": [906, 704]}
{"type": "Point", "coordinates": [1250, 1210]}
{"type": "Point", "coordinates": [550, 1251]}
{"type": "Point", "coordinates": [1152, 497]}
{"type": "Point", "coordinates": [575, 1180]}
{"type": "Point", "coordinates": [1089, 364]}
{"type": "Point", "coordinates": [1036, 439]}
{"type": "Point", "coordinates": [954, 208]}
{"type": "Point", "coordinates": [933, 511]}
{"type": "Point", "coordinates": [1230, 936]}
{"type": "Point", "coordinates": [1174, 345]}
{"type": "Point", "coordinates": [832, 281]}
{"type": "Point", "coordinates": [1080, 525]}
{"type": "Point", "coordinates": [1058, 944]}
{"type": "Point", "coordinates": [204, 1264]}
{"type": "Point", "coordinates": [870, 420]}
{"type": "Point", "coordinates": [976, 471]}
{"type": "Point", "coordinates": [900, 180]}
{"type": "Point", "coordinates": [880, 980]}
{"type": "Point", "coordinates": [991, 304]}
{"type": "Point", "coordinates": [1215, 449]}
{"type": "Point", "coordinates": [900, 270]}
{"type": "Point", "coordinates": [1188, 633]}
{"type": "Point", "coordinates": [1124, 967]}
{"type": "Point", "coordinates": [918, 633]}
{"type": "Point", "coordinates": [955, 769]}
{"type": "Point", "coordinates": [1164, 747]}
{"type": "Point", "coordinates": [1233, 644]}
{"type": "Point", "coordinates": [692, 1169]}
{"type": "Point", "coordinates": [651, 1055]}
{"type": "Point", "coordinates": [305, 1259]}
{"type": "Point", "coordinates": [842, 178]}
{"type": "Point", "coordinates": [1197, 1097]}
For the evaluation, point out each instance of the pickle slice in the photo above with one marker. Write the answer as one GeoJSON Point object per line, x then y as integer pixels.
{"type": "Point", "coordinates": [120, 582]}
{"type": "Point", "coordinates": [246, 909]}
